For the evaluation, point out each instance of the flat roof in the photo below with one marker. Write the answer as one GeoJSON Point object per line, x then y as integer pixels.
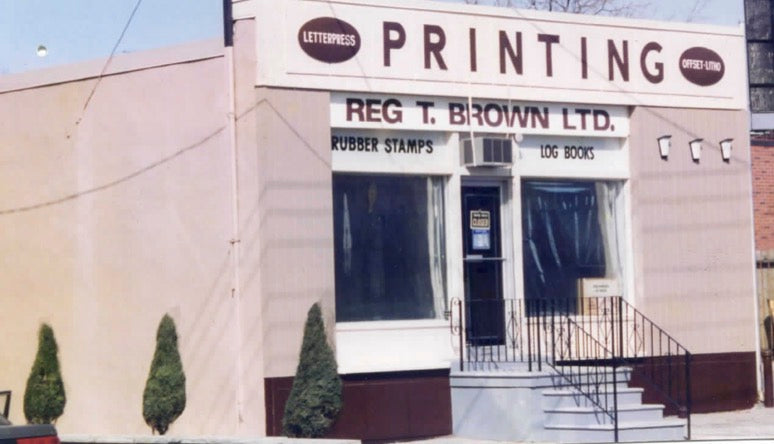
{"type": "Point", "coordinates": [121, 63]}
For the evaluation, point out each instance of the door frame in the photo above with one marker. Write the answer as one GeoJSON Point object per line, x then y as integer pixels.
{"type": "Point", "coordinates": [507, 229]}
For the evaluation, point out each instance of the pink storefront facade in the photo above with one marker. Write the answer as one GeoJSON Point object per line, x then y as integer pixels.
{"type": "Point", "coordinates": [321, 158]}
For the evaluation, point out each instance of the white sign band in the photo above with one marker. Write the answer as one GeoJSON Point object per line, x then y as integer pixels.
{"type": "Point", "coordinates": [369, 111]}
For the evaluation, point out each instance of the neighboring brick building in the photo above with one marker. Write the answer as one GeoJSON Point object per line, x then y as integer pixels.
{"type": "Point", "coordinates": [762, 147]}
{"type": "Point", "coordinates": [762, 155]}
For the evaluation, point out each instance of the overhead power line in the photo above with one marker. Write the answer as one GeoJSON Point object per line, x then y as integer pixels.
{"type": "Point", "coordinates": [109, 59]}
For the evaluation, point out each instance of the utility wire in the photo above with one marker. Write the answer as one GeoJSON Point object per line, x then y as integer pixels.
{"type": "Point", "coordinates": [110, 59]}
{"type": "Point", "coordinates": [127, 177]}
{"type": "Point", "coordinates": [115, 182]}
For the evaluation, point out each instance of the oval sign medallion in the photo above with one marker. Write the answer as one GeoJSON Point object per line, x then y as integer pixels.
{"type": "Point", "coordinates": [329, 40]}
{"type": "Point", "coordinates": [702, 66]}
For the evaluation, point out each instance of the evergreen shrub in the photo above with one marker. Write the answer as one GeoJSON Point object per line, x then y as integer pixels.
{"type": "Point", "coordinates": [44, 395]}
{"type": "Point", "coordinates": [164, 398]}
{"type": "Point", "coordinates": [315, 398]}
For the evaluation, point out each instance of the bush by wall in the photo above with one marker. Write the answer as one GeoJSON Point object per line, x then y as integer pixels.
{"type": "Point", "coordinates": [164, 398]}
{"type": "Point", "coordinates": [315, 397]}
{"type": "Point", "coordinates": [44, 396]}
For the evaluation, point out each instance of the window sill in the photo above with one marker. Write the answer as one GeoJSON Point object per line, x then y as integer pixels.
{"type": "Point", "coordinates": [418, 324]}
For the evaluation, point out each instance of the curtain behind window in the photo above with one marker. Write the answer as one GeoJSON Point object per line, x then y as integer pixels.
{"type": "Point", "coordinates": [569, 231]}
{"type": "Point", "coordinates": [389, 247]}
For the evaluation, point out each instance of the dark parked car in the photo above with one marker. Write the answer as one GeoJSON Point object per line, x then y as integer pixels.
{"type": "Point", "coordinates": [24, 434]}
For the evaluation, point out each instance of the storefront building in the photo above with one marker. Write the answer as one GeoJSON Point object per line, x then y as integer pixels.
{"type": "Point", "coordinates": [386, 159]}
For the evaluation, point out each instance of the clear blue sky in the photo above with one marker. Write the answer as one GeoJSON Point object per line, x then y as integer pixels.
{"type": "Point", "coordinates": [74, 30]}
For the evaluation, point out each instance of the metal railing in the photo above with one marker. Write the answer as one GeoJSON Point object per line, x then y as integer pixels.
{"type": "Point", "coordinates": [575, 355]}
{"type": "Point", "coordinates": [583, 340]}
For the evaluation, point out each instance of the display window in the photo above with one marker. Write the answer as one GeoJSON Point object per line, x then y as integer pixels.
{"type": "Point", "coordinates": [389, 247]}
{"type": "Point", "coordinates": [571, 231]}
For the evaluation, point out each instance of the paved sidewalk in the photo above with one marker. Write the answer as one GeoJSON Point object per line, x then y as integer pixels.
{"type": "Point", "coordinates": [755, 423]}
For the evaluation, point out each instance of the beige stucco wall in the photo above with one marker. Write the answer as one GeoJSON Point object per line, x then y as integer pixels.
{"type": "Point", "coordinates": [138, 226]}
{"type": "Point", "coordinates": [692, 228]}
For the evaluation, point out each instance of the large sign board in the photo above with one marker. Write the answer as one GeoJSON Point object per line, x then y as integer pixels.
{"type": "Point", "coordinates": [446, 49]}
{"type": "Point", "coordinates": [372, 111]}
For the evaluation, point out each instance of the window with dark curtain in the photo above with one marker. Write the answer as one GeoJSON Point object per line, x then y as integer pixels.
{"type": "Point", "coordinates": [563, 239]}
{"type": "Point", "coordinates": [389, 247]}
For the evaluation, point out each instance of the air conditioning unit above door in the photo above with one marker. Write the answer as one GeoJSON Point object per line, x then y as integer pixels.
{"type": "Point", "coordinates": [483, 151]}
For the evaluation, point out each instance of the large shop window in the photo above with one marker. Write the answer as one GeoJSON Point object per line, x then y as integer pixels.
{"type": "Point", "coordinates": [389, 247]}
{"type": "Point", "coordinates": [571, 230]}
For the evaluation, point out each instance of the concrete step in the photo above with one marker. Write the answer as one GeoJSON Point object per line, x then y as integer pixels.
{"type": "Point", "coordinates": [570, 397]}
{"type": "Point", "coordinates": [593, 415]}
{"type": "Point", "coordinates": [623, 374]}
{"type": "Point", "coordinates": [509, 372]}
{"type": "Point", "coordinates": [559, 381]}
{"type": "Point", "coordinates": [631, 431]}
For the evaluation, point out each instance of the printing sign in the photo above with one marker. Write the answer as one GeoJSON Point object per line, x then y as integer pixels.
{"type": "Point", "coordinates": [480, 224]}
{"type": "Point", "coordinates": [444, 49]}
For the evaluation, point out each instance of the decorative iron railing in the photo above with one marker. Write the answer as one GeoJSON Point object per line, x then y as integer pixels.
{"type": "Point", "coordinates": [585, 341]}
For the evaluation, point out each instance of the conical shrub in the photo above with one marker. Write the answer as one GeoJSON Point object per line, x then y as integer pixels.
{"type": "Point", "coordinates": [315, 398]}
{"type": "Point", "coordinates": [44, 396]}
{"type": "Point", "coordinates": [164, 398]}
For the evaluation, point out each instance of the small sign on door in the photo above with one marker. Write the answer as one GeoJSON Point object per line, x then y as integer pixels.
{"type": "Point", "coordinates": [480, 223]}
{"type": "Point", "coordinates": [481, 240]}
{"type": "Point", "coordinates": [479, 219]}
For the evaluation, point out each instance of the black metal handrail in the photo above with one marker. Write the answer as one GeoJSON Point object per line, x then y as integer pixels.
{"type": "Point", "coordinates": [576, 356]}
{"type": "Point", "coordinates": [669, 370]}
{"type": "Point", "coordinates": [494, 331]}
{"type": "Point", "coordinates": [659, 361]}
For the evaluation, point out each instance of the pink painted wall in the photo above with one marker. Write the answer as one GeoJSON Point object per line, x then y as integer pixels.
{"type": "Point", "coordinates": [109, 218]}
{"type": "Point", "coordinates": [286, 222]}
{"type": "Point", "coordinates": [693, 229]}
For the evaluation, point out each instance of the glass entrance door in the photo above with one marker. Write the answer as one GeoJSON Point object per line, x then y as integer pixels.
{"type": "Point", "coordinates": [482, 249]}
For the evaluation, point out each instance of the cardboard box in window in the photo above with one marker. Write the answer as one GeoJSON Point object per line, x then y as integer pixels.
{"type": "Point", "coordinates": [593, 292]}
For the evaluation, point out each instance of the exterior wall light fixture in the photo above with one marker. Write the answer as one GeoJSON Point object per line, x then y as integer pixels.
{"type": "Point", "coordinates": [664, 143]}
{"type": "Point", "coordinates": [725, 149]}
{"type": "Point", "coordinates": [696, 149]}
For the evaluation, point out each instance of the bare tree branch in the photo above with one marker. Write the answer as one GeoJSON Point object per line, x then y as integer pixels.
{"type": "Point", "coordinates": [616, 8]}
{"type": "Point", "coordinates": [625, 8]}
{"type": "Point", "coordinates": [695, 12]}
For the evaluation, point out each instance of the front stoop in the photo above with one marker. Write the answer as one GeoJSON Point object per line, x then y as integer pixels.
{"type": "Point", "coordinates": [593, 415]}
{"type": "Point", "coordinates": [513, 404]}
